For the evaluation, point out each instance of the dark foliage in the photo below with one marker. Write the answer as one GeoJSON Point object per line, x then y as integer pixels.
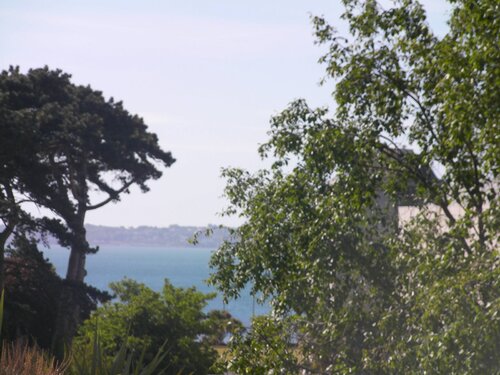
{"type": "Point", "coordinates": [68, 140]}
{"type": "Point", "coordinates": [32, 291]}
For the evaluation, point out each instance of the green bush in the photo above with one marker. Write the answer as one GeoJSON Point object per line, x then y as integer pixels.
{"type": "Point", "coordinates": [144, 320]}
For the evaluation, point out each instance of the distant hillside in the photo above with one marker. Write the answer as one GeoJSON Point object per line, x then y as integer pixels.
{"type": "Point", "coordinates": [172, 236]}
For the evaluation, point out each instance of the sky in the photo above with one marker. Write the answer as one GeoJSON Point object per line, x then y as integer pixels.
{"type": "Point", "coordinates": [205, 75]}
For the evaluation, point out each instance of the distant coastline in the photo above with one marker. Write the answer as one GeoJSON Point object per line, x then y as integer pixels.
{"type": "Point", "coordinates": [173, 236]}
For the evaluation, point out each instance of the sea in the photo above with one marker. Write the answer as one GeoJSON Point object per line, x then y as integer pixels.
{"type": "Point", "coordinates": [183, 267]}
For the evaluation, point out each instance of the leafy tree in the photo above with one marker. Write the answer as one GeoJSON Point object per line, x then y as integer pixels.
{"type": "Point", "coordinates": [356, 289]}
{"type": "Point", "coordinates": [145, 319]}
{"type": "Point", "coordinates": [270, 344]}
{"type": "Point", "coordinates": [81, 142]}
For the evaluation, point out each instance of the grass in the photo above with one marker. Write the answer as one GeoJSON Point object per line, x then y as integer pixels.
{"type": "Point", "coordinates": [19, 358]}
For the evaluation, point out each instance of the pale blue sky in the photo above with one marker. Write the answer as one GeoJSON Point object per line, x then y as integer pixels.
{"type": "Point", "coordinates": [205, 75]}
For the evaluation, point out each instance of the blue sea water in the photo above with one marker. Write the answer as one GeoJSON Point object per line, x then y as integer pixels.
{"type": "Point", "coordinates": [151, 265]}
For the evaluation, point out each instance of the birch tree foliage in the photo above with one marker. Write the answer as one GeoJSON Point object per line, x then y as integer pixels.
{"type": "Point", "coordinates": [352, 290]}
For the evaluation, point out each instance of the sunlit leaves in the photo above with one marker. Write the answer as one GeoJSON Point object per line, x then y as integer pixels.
{"type": "Point", "coordinates": [322, 241]}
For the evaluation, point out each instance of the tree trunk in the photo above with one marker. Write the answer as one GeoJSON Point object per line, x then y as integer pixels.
{"type": "Point", "coordinates": [69, 309]}
{"type": "Point", "coordinates": [76, 265]}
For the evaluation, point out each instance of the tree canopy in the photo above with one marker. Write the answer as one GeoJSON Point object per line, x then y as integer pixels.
{"type": "Point", "coordinates": [82, 143]}
{"type": "Point", "coordinates": [73, 142]}
{"type": "Point", "coordinates": [353, 290]}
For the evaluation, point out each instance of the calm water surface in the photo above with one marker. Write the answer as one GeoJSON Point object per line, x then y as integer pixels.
{"type": "Point", "coordinates": [151, 265]}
